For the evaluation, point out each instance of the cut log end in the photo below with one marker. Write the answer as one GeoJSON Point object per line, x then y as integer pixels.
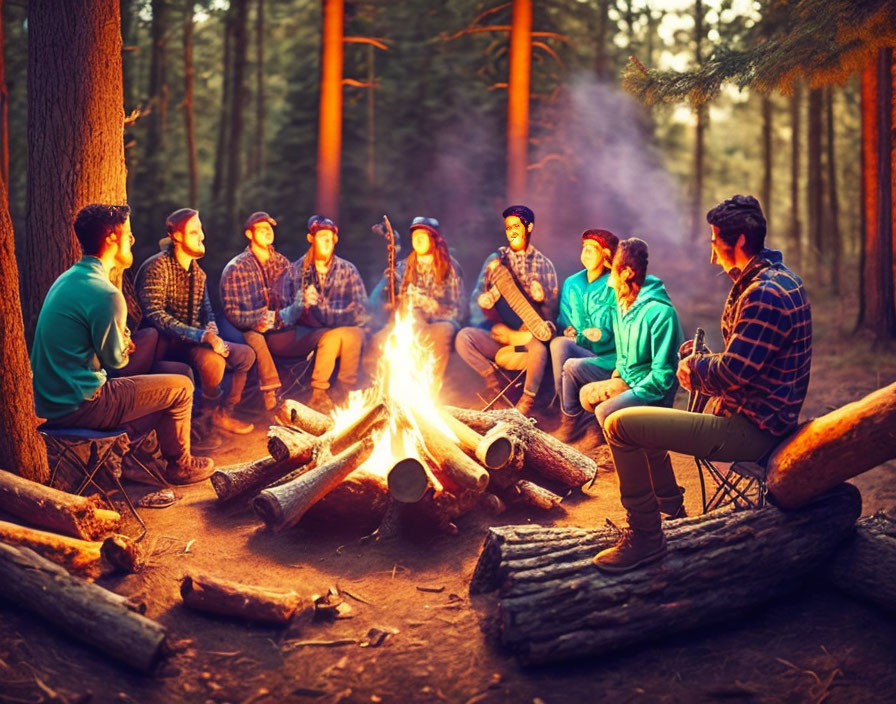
{"type": "Point", "coordinates": [408, 480]}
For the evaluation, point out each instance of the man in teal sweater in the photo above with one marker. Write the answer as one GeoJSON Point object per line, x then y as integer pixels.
{"type": "Point", "coordinates": [586, 351]}
{"type": "Point", "coordinates": [82, 327]}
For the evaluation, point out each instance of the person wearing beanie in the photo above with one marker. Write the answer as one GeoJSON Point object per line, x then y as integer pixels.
{"type": "Point", "coordinates": [495, 325]}
{"type": "Point", "coordinates": [429, 285]}
{"type": "Point", "coordinates": [326, 302]}
{"type": "Point", "coordinates": [757, 384]}
{"type": "Point", "coordinates": [585, 351]}
{"type": "Point", "coordinates": [250, 294]}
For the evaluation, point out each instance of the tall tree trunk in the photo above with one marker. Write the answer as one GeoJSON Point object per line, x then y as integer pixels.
{"type": "Point", "coordinates": [129, 79]}
{"type": "Point", "coordinates": [699, 131]}
{"type": "Point", "coordinates": [601, 58]}
{"type": "Point", "coordinates": [815, 183]}
{"type": "Point", "coordinates": [518, 100]}
{"type": "Point", "coordinates": [834, 240]}
{"type": "Point", "coordinates": [189, 124]}
{"type": "Point", "coordinates": [768, 161]}
{"type": "Point", "coordinates": [257, 160]}
{"type": "Point", "coordinates": [329, 129]}
{"type": "Point", "coordinates": [240, 8]}
{"type": "Point", "coordinates": [4, 124]}
{"type": "Point", "coordinates": [224, 120]}
{"type": "Point", "coordinates": [74, 79]}
{"type": "Point", "coordinates": [157, 121]}
{"type": "Point", "coordinates": [371, 116]}
{"type": "Point", "coordinates": [795, 224]}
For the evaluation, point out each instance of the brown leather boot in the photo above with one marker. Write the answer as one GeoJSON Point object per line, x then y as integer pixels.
{"type": "Point", "coordinates": [224, 419]}
{"type": "Point", "coordinates": [635, 548]}
{"type": "Point", "coordinates": [673, 506]}
{"type": "Point", "coordinates": [189, 470]}
{"type": "Point", "coordinates": [524, 405]}
{"type": "Point", "coordinates": [571, 428]}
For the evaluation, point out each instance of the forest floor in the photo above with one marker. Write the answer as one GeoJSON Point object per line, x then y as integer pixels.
{"type": "Point", "coordinates": [817, 645]}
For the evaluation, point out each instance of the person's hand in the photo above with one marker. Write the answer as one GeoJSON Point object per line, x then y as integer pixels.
{"type": "Point", "coordinates": [592, 334]}
{"type": "Point", "coordinates": [595, 393]}
{"type": "Point", "coordinates": [212, 327]}
{"type": "Point", "coordinates": [687, 349]}
{"type": "Point", "coordinates": [267, 322]}
{"type": "Point", "coordinates": [570, 332]}
{"type": "Point", "coordinates": [684, 373]}
{"type": "Point", "coordinates": [312, 297]}
{"type": "Point", "coordinates": [216, 343]}
{"type": "Point", "coordinates": [488, 298]}
{"type": "Point", "coordinates": [537, 291]}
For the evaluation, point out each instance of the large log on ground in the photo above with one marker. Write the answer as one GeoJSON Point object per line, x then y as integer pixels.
{"type": "Point", "coordinates": [248, 478]}
{"type": "Point", "coordinates": [79, 516]}
{"type": "Point", "coordinates": [554, 605]}
{"type": "Point", "coordinates": [304, 418]}
{"type": "Point", "coordinates": [865, 565]}
{"type": "Point", "coordinates": [828, 450]}
{"type": "Point", "coordinates": [253, 603]}
{"type": "Point", "coordinates": [84, 610]}
{"type": "Point", "coordinates": [85, 558]}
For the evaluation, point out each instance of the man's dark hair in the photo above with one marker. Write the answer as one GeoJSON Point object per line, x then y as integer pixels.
{"type": "Point", "coordinates": [633, 253]}
{"type": "Point", "coordinates": [177, 220]}
{"type": "Point", "coordinates": [740, 215]}
{"type": "Point", "coordinates": [95, 222]}
{"type": "Point", "coordinates": [525, 214]}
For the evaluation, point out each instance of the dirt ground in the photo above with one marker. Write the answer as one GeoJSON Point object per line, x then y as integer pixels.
{"type": "Point", "coordinates": [817, 645]}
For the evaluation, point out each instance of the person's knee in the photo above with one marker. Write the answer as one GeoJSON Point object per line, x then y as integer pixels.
{"type": "Point", "coordinates": [352, 337]}
{"type": "Point", "coordinates": [616, 424]}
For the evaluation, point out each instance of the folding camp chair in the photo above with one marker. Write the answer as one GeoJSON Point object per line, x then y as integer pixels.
{"type": "Point", "coordinates": [741, 485]}
{"type": "Point", "coordinates": [296, 372]}
{"type": "Point", "coordinates": [511, 378]}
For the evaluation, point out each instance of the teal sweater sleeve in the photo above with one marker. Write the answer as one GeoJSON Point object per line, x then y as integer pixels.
{"type": "Point", "coordinates": [109, 332]}
{"type": "Point", "coordinates": [665, 338]}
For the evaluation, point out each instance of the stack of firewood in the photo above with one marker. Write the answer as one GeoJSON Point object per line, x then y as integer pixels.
{"type": "Point", "coordinates": [311, 468]}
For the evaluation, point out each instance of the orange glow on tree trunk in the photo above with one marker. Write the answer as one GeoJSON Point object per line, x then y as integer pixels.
{"type": "Point", "coordinates": [329, 135]}
{"type": "Point", "coordinates": [518, 100]}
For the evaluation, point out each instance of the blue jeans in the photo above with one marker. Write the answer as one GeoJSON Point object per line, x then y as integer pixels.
{"type": "Point", "coordinates": [478, 349]}
{"type": "Point", "coordinates": [574, 366]}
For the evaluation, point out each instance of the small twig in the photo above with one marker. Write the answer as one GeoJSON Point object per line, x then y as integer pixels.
{"type": "Point", "coordinates": [355, 596]}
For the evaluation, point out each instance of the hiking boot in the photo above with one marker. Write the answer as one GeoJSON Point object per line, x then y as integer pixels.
{"type": "Point", "coordinates": [571, 428]}
{"type": "Point", "coordinates": [635, 548]}
{"type": "Point", "coordinates": [672, 506]}
{"type": "Point", "coordinates": [204, 440]}
{"type": "Point", "coordinates": [223, 418]}
{"type": "Point", "coordinates": [524, 405]}
{"type": "Point", "coordinates": [189, 471]}
{"type": "Point", "coordinates": [270, 399]}
{"type": "Point", "coordinates": [321, 402]}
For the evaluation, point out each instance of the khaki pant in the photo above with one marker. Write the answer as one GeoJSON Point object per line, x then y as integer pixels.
{"type": "Point", "coordinates": [344, 344]}
{"type": "Point", "coordinates": [640, 439]}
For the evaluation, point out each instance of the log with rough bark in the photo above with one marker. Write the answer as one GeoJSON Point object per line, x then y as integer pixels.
{"type": "Point", "coordinates": [494, 455]}
{"type": "Point", "coordinates": [81, 517]}
{"type": "Point", "coordinates": [833, 448]}
{"type": "Point", "coordinates": [865, 565]}
{"type": "Point", "coordinates": [285, 443]}
{"type": "Point", "coordinates": [450, 460]}
{"type": "Point", "coordinates": [248, 478]}
{"type": "Point", "coordinates": [84, 610]}
{"type": "Point", "coordinates": [252, 603]}
{"type": "Point", "coordinates": [555, 605]}
{"type": "Point", "coordinates": [530, 494]}
{"type": "Point", "coordinates": [85, 558]}
{"type": "Point", "coordinates": [304, 418]}
{"type": "Point", "coordinates": [282, 506]}
{"type": "Point", "coordinates": [483, 421]}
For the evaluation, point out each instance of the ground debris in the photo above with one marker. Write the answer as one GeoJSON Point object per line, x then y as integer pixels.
{"type": "Point", "coordinates": [292, 644]}
{"type": "Point", "coordinates": [377, 635]}
{"type": "Point", "coordinates": [432, 590]}
{"type": "Point", "coordinates": [360, 599]}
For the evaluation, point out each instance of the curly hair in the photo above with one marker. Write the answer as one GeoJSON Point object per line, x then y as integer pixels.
{"type": "Point", "coordinates": [95, 222]}
{"type": "Point", "coordinates": [740, 215]}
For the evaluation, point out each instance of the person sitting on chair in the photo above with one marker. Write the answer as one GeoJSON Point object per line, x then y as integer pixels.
{"type": "Point", "coordinates": [429, 284]}
{"type": "Point", "coordinates": [586, 351]}
{"type": "Point", "coordinates": [327, 302]}
{"type": "Point", "coordinates": [172, 292]}
{"type": "Point", "coordinates": [758, 384]}
{"type": "Point", "coordinates": [250, 293]}
{"type": "Point", "coordinates": [495, 318]}
{"type": "Point", "coordinates": [82, 327]}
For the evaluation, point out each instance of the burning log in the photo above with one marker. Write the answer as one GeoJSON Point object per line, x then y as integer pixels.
{"type": "Point", "coordinates": [865, 566]}
{"type": "Point", "coordinates": [303, 417]}
{"type": "Point", "coordinates": [408, 480]}
{"type": "Point", "coordinates": [84, 610]}
{"type": "Point", "coordinates": [531, 494]}
{"type": "Point", "coordinates": [227, 598]}
{"type": "Point", "coordinates": [283, 506]}
{"type": "Point", "coordinates": [450, 459]}
{"type": "Point", "coordinates": [494, 455]}
{"type": "Point", "coordinates": [85, 558]}
{"type": "Point", "coordinates": [77, 516]}
{"type": "Point", "coordinates": [247, 479]}
{"type": "Point", "coordinates": [483, 421]}
{"type": "Point", "coordinates": [833, 448]}
{"type": "Point", "coordinates": [554, 605]}
{"type": "Point", "coordinates": [285, 443]}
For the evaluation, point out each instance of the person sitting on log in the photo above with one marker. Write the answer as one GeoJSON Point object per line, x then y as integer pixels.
{"type": "Point", "coordinates": [328, 307]}
{"type": "Point", "coordinates": [429, 284]}
{"type": "Point", "coordinates": [513, 305]}
{"type": "Point", "coordinates": [172, 291]}
{"type": "Point", "coordinates": [757, 383]}
{"type": "Point", "coordinates": [81, 328]}
{"type": "Point", "coordinates": [250, 293]}
{"type": "Point", "coordinates": [647, 335]}
{"type": "Point", "coordinates": [586, 351]}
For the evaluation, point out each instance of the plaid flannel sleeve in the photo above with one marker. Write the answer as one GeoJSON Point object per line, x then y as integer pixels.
{"type": "Point", "coordinates": [452, 297]}
{"type": "Point", "coordinates": [761, 329]}
{"type": "Point", "coordinates": [347, 305]}
{"type": "Point", "coordinates": [240, 296]}
{"type": "Point", "coordinates": [477, 317]}
{"type": "Point", "coordinates": [153, 289]}
{"type": "Point", "coordinates": [547, 277]}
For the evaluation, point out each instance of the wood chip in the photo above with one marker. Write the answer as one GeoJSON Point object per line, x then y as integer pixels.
{"type": "Point", "coordinates": [433, 590]}
{"type": "Point", "coordinates": [320, 643]}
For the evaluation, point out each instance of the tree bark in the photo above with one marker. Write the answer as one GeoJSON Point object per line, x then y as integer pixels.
{"type": "Point", "coordinates": [304, 418]}
{"type": "Point", "coordinates": [252, 603]}
{"type": "Point", "coordinates": [768, 161]}
{"type": "Point", "coordinates": [286, 443]}
{"type": "Point", "coordinates": [240, 9]}
{"type": "Point", "coordinates": [257, 168]}
{"type": "Point", "coordinates": [329, 131]}
{"type": "Point", "coordinates": [518, 89]}
{"type": "Point", "coordinates": [833, 448]}
{"type": "Point", "coordinates": [795, 234]}
{"type": "Point", "coordinates": [4, 123]}
{"type": "Point", "coordinates": [245, 480]}
{"type": "Point", "coordinates": [450, 460]}
{"type": "Point", "coordinates": [701, 114]}
{"type": "Point", "coordinates": [554, 605]}
{"type": "Point", "coordinates": [834, 239]}
{"type": "Point", "coordinates": [815, 182]}
{"type": "Point", "coordinates": [154, 156]}
{"type": "Point", "coordinates": [865, 566]}
{"type": "Point", "coordinates": [74, 79]}
{"type": "Point", "coordinates": [529, 493]}
{"type": "Point", "coordinates": [189, 121]}
{"type": "Point", "coordinates": [224, 121]}
{"type": "Point", "coordinates": [85, 611]}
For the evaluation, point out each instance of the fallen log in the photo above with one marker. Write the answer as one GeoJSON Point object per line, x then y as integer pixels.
{"type": "Point", "coordinates": [304, 418]}
{"type": "Point", "coordinates": [285, 442]}
{"type": "Point", "coordinates": [530, 494]}
{"type": "Point", "coordinates": [282, 506]}
{"type": "Point", "coordinates": [248, 478]}
{"type": "Point", "coordinates": [85, 611]}
{"type": "Point", "coordinates": [252, 603]}
{"type": "Point", "coordinates": [408, 480]}
{"type": "Point", "coordinates": [865, 566]}
{"type": "Point", "coordinates": [494, 456]}
{"type": "Point", "coordinates": [483, 421]}
{"type": "Point", "coordinates": [85, 558]}
{"type": "Point", "coordinates": [78, 516]}
{"type": "Point", "coordinates": [554, 605]}
{"type": "Point", "coordinates": [833, 448]}
{"type": "Point", "coordinates": [450, 459]}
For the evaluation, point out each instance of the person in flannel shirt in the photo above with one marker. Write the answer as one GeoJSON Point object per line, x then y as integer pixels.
{"type": "Point", "coordinates": [429, 284]}
{"type": "Point", "coordinates": [586, 350]}
{"type": "Point", "coordinates": [250, 293]}
{"type": "Point", "coordinates": [172, 292]}
{"type": "Point", "coordinates": [758, 383]}
{"type": "Point", "coordinates": [327, 303]}
{"type": "Point", "coordinates": [495, 325]}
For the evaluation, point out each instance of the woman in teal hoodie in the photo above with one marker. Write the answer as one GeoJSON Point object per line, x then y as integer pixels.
{"type": "Point", "coordinates": [647, 334]}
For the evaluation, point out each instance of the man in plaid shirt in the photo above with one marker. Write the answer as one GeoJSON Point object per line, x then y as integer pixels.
{"type": "Point", "coordinates": [250, 293]}
{"type": "Point", "coordinates": [172, 292]}
{"type": "Point", "coordinates": [758, 384]}
{"type": "Point", "coordinates": [495, 324]}
{"type": "Point", "coordinates": [327, 303]}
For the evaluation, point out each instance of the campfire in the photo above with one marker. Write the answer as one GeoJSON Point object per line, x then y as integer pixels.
{"type": "Point", "coordinates": [393, 450]}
